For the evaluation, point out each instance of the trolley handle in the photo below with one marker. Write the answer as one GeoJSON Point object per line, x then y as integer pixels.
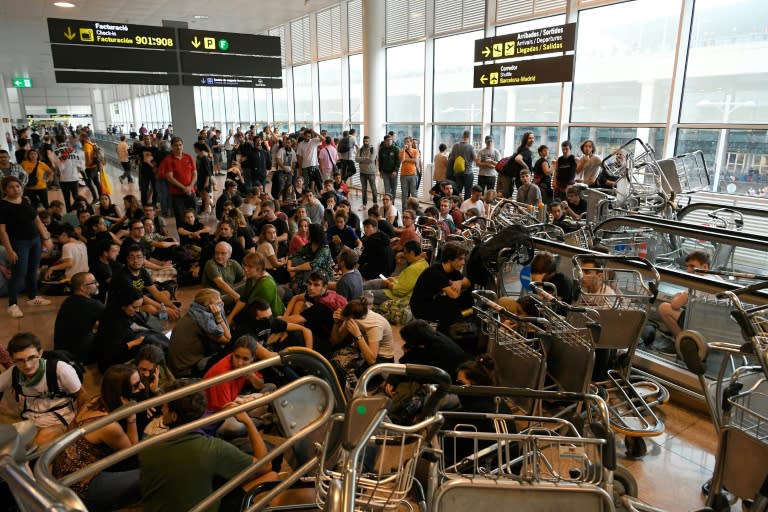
{"type": "Point", "coordinates": [419, 372]}
{"type": "Point", "coordinates": [536, 285]}
{"type": "Point", "coordinates": [616, 257]}
{"type": "Point", "coordinates": [479, 295]}
{"type": "Point", "coordinates": [744, 289]}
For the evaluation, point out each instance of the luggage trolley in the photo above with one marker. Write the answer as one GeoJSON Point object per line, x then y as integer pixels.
{"type": "Point", "coordinates": [549, 464]}
{"type": "Point", "coordinates": [622, 298]}
{"type": "Point", "coordinates": [514, 344]}
{"type": "Point", "coordinates": [738, 404]}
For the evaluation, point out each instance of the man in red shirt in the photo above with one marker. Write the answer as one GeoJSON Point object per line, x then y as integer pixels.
{"type": "Point", "coordinates": [179, 170]}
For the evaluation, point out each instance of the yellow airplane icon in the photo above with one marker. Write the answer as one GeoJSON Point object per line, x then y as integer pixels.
{"type": "Point", "coordinates": [494, 78]}
{"type": "Point", "coordinates": [497, 49]}
{"type": "Point", "coordinates": [509, 48]}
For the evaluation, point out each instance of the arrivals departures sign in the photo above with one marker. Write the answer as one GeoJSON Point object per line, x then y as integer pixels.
{"type": "Point", "coordinates": [524, 72]}
{"type": "Point", "coordinates": [559, 38]}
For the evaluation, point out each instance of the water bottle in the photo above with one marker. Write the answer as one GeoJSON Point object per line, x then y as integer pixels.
{"type": "Point", "coordinates": [163, 316]}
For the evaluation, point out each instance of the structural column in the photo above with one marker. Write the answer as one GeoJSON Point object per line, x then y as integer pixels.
{"type": "Point", "coordinates": [374, 70]}
{"type": "Point", "coordinates": [182, 100]}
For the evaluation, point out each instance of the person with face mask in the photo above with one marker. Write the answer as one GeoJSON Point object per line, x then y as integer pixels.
{"type": "Point", "coordinates": [76, 320]}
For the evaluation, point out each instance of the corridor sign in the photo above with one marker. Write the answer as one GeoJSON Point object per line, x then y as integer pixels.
{"type": "Point", "coordinates": [524, 72]}
{"type": "Point", "coordinates": [556, 39]}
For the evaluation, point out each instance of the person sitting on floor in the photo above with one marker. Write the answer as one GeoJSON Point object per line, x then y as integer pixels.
{"type": "Point", "coordinates": [350, 283]}
{"type": "Point", "coordinates": [77, 319]}
{"type": "Point", "coordinates": [224, 274]}
{"type": "Point", "coordinates": [377, 257]}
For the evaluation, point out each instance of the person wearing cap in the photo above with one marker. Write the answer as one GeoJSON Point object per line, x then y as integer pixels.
{"type": "Point", "coordinates": [528, 192]}
{"type": "Point", "coordinates": [487, 158]}
{"type": "Point", "coordinates": [464, 174]}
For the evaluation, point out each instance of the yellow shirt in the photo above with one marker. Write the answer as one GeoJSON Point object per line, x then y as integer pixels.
{"type": "Point", "coordinates": [42, 171]}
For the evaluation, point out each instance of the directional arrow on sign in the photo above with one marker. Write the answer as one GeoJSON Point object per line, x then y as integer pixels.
{"type": "Point", "coordinates": [196, 42]}
{"type": "Point", "coordinates": [69, 34]}
{"type": "Point", "coordinates": [486, 51]}
{"type": "Point", "coordinates": [18, 83]}
{"type": "Point", "coordinates": [483, 79]}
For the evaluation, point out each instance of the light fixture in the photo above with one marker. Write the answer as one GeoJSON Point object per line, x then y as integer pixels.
{"type": "Point", "coordinates": [200, 17]}
{"type": "Point", "coordinates": [64, 4]}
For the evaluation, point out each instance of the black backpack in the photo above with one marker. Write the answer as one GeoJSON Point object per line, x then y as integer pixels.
{"type": "Point", "coordinates": [52, 358]}
{"type": "Point", "coordinates": [345, 144]}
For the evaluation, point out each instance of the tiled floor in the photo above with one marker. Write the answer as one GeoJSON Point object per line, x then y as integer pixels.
{"type": "Point", "coordinates": [669, 476]}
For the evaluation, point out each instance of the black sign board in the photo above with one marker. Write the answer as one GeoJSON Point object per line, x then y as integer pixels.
{"type": "Point", "coordinates": [527, 72]}
{"type": "Point", "coordinates": [100, 33]}
{"type": "Point", "coordinates": [232, 81]}
{"type": "Point", "coordinates": [112, 59]}
{"type": "Point", "coordinates": [237, 65]}
{"type": "Point", "coordinates": [560, 38]}
{"type": "Point", "coordinates": [228, 42]}
{"type": "Point", "coordinates": [97, 77]}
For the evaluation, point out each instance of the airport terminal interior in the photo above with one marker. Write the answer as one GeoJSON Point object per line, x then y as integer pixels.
{"type": "Point", "coordinates": [562, 199]}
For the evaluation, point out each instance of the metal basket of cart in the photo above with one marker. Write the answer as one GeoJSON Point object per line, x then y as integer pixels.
{"type": "Point", "coordinates": [515, 345]}
{"type": "Point", "coordinates": [581, 237]}
{"type": "Point", "coordinates": [737, 403]}
{"type": "Point", "coordinates": [622, 296]}
{"type": "Point", "coordinates": [507, 212]}
{"type": "Point", "coordinates": [638, 242]}
{"type": "Point", "coordinates": [375, 467]}
{"type": "Point", "coordinates": [546, 464]}
{"type": "Point", "coordinates": [495, 253]}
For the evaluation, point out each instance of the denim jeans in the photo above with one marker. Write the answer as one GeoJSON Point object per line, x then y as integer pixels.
{"type": "Point", "coordinates": [390, 183]}
{"type": "Point", "coordinates": [92, 182]}
{"type": "Point", "coordinates": [179, 204]}
{"type": "Point", "coordinates": [163, 195]}
{"type": "Point", "coordinates": [111, 490]}
{"type": "Point", "coordinates": [464, 181]}
{"type": "Point", "coordinates": [368, 180]}
{"type": "Point", "coordinates": [24, 271]}
{"type": "Point", "coordinates": [408, 188]}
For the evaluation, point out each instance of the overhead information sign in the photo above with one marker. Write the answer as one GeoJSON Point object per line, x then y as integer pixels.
{"type": "Point", "coordinates": [114, 53]}
{"type": "Point", "coordinates": [232, 81]}
{"type": "Point", "coordinates": [99, 33]}
{"type": "Point", "coordinates": [560, 38]}
{"type": "Point", "coordinates": [228, 42]}
{"type": "Point", "coordinates": [527, 72]}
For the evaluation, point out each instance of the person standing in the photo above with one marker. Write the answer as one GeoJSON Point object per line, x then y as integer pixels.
{"type": "Point", "coordinates": [487, 158]}
{"type": "Point", "coordinates": [565, 171]}
{"type": "Point", "coordinates": [8, 168]}
{"type": "Point", "coordinates": [308, 159]}
{"type": "Point", "coordinates": [366, 157]}
{"type": "Point", "coordinates": [179, 170]}
{"type": "Point", "coordinates": [92, 167]}
{"type": "Point", "coordinates": [125, 161]}
{"type": "Point", "coordinates": [39, 174]}
{"type": "Point", "coordinates": [440, 164]}
{"type": "Point", "coordinates": [588, 166]}
{"type": "Point", "coordinates": [461, 164]}
{"type": "Point", "coordinates": [522, 159]}
{"type": "Point", "coordinates": [70, 166]}
{"type": "Point", "coordinates": [409, 158]}
{"type": "Point", "coordinates": [389, 165]}
{"type": "Point", "coordinates": [22, 233]}
{"type": "Point", "coordinates": [148, 164]}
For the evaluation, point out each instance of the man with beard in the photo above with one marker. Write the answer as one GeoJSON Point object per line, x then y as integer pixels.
{"type": "Point", "coordinates": [76, 320]}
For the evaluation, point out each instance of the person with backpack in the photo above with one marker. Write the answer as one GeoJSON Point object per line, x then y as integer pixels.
{"type": "Point", "coordinates": [522, 159]}
{"type": "Point", "coordinates": [389, 164]}
{"type": "Point", "coordinates": [347, 151]}
{"type": "Point", "coordinates": [461, 164]}
{"type": "Point", "coordinates": [49, 391]}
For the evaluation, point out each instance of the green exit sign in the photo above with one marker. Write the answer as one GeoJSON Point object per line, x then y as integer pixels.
{"type": "Point", "coordinates": [22, 82]}
{"type": "Point", "coordinates": [51, 111]}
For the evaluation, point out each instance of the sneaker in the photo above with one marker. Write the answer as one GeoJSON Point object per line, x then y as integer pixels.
{"type": "Point", "coordinates": [664, 345]}
{"type": "Point", "coordinates": [15, 311]}
{"type": "Point", "coordinates": [38, 301]}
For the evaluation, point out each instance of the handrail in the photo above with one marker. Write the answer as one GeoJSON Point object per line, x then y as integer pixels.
{"type": "Point", "coordinates": [46, 480]}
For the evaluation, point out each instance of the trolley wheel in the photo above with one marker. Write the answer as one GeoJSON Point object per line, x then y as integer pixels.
{"type": "Point", "coordinates": [720, 503]}
{"type": "Point", "coordinates": [624, 484]}
{"type": "Point", "coordinates": [636, 446]}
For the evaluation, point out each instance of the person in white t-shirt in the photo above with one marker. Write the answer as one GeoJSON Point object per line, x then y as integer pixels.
{"type": "Point", "coordinates": [474, 201]}
{"type": "Point", "coordinates": [51, 413]}
{"type": "Point", "coordinates": [74, 254]}
{"type": "Point", "coordinates": [308, 159]}
{"type": "Point", "coordinates": [371, 333]}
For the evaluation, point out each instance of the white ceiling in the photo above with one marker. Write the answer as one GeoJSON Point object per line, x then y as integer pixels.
{"type": "Point", "coordinates": [25, 46]}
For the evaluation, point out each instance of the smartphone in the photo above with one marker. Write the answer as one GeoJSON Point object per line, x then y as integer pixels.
{"type": "Point", "coordinates": [381, 276]}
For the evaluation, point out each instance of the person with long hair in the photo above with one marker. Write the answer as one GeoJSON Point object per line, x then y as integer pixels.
{"type": "Point", "coordinates": [588, 166]}
{"type": "Point", "coordinates": [23, 235]}
{"type": "Point", "coordinates": [367, 331]}
{"type": "Point", "coordinates": [109, 210]}
{"type": "Point", "coordinates": [107, 490]}
{"type": "Point", "coordinates": [522, 159]}
{"type": "Point", "coordinates": [300, 238]}
{"type": "Point", "coordinates": [245, 234]}
{"type": "Point", "coordinates": [267, 247]}
{"type": "Point", "coordinates": [39, 176]}
{"type": "Point", "coordinates": [315, 256]}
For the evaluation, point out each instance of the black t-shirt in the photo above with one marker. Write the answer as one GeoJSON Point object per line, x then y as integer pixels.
{"type": "Point", "coordinates": [73, 330]}
{"type": "Point", "coordinates": [262, 329]}
{"type": "Point", "coordinates": [147, 169]}
{"type": "Point", "coordinates": [94, 240]}
{"type": "Point", "coordinates": [541, 179]}
{"type": "Point", "coordinates": [580, 208]}
{"type": "Point", "coordinates": [193, 228]}
{"type": "Point", "coordinates": [566, 170]}
{"type": "Point", "coordinates": [439, 350]}
{"type": "Point", "coordinates": [123, 278]}
{"type": "Point", "coordinates": [564, 286]}
{"type": "Point", "coordinates": [103, 274]}
{"type": "Point", "coordinates": [247, 233]}
{"type": "Point", "coordinates": [428, 286]}
{"type": "Point", "coordinates": [128, 243]}
{"type": "Point", "coordinates": [19, 220]}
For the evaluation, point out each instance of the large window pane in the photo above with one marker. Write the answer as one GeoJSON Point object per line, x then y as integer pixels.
{"type": "Point", "coordinates": [231, 102]}
{"type": "Point", "coordinates": [507, 138]}
{"type": "Point", "coordinates": [356, 87]}
{"type": "Point", "coordinates": [280, 101]}
{"type": "Point", "coordinates": [624, 62]}
{"type": "Point", "coordinates": [527, 103]}
{"type": "Point", "coordinates": [402, 131]}
{"type": "Point", "coordinates": [743, 166]}
{"type": "Point", "coordinates": [450, 135]}
{"type": "Point", "coordinates": [334, 129]}
{"type": "Point", "coordinates": [219, 114]}
{"type": "Point", "coordinates": [454, 98]}
{"type": "Point", "coordinates": [207, 107]}
{"type": "Point", "coordinates": [247, 113]}
{"type": "Point", "coordinates": [260, 101]}
{"type": "Point", "coordinates": [405, 83]}
{"type": "Point", "coordinates": [329, 76]}
{"type": "Point", "coordinates": [607, 140]}
{"type": "Point", "coordinates": [726, 80]}
{"type": "Point", "coordinates": [302, 93]}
